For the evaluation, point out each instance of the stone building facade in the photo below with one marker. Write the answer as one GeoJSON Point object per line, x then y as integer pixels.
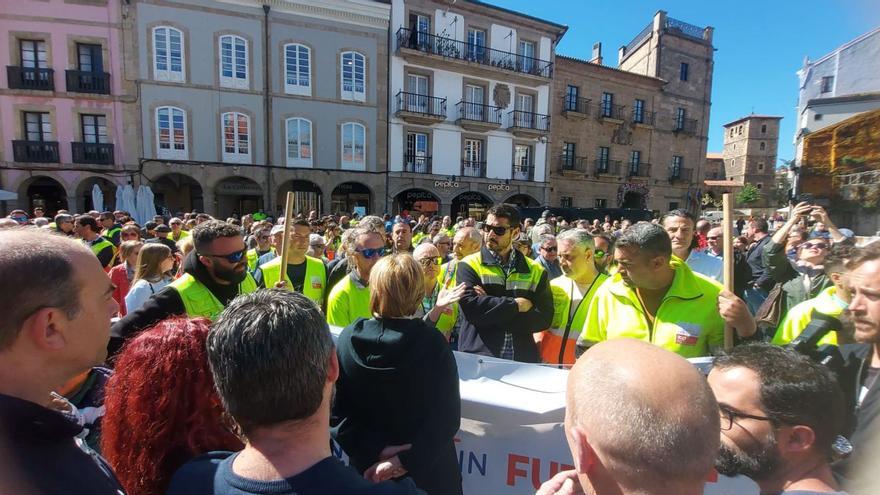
{"type": "Point", "coordinates": [634, 136]}
{"type": "Point", "coordinates": [243, 101]}
{"type": "Point", "coordinates": [65, 104]}
{"type": "Point", "coordinates": [750, 147]}
{"type": "Point", "coordinates": [470, 107]}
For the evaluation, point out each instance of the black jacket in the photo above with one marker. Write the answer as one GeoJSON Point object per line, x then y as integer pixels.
{"type": "Point", "coordinates": [488, 317]}
{"type": "Point", "coordinates": [398, 384]}
{"type": "Point", "coordinates": [166, 303]}
{"type": "Point", "coordinates": [858, 474]}
{"type": "Point", "coordinates": [40, 455]}
{"type": "Point", "coordinates": [755, 259]}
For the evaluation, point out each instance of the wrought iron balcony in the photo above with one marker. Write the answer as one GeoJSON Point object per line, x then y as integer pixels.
{"type": "Point", "coordinates": [640, 169]}
{"type": "Point", "coordinates": [689, 30]}
{"type": "Point", "coordinates": [614, 112]}
{"type": "Point", "coordinates": [644, 118]}
{"type": "Point", "coordinates": [570, 163]}
{"type": "Point", "coordinates": [424, 105]}
{"type": "Point", "coordinates": [30, 78]}
{"type": "Point", "coordinates": [685, 126]}
{"type": "Point", "coordinates": [680, 174]}
{"type": "Point", "coordinates": [450, 48]}
{"type": "Point", "coordinates": [574, 105]}
{"type": "Point", "coordinates": [606, 167]}
{"type": "Point", "coordinates": [523, 172]}
{"type": "Point", "coordinates": [478, 117]}
{"type": "Point", "coordinates": [417, 164]}
{"type": "Point", "coordinates": [473, 168]}
{"type": "Point", "coordinates": [88, 82]}
{"type": "Point", "coordinates": [528, 124]}
{"type": "Point", "coordinates": [35, 151]}
{"type": "Point", "coordinates": [95, 153]}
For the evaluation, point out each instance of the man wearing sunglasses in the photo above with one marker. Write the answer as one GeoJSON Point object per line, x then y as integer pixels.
{"type": "Point", "coordinates": [508, 296]}
{"type": "Point", "coordinates": [439, 304]}
{"type": "Point", "coordinates": [264, 245]}
{"type": "Point", "coordinates": [350, 297]}
{"type": "Point", "coordinates": [547, 256]}
{"type": "Point", "coordinates": [780, 416]}
{"type": "Point", "coordinates": [215, 273]}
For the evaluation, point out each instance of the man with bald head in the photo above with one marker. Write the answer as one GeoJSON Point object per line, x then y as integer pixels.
{"type": "Point", "coordinates": [439, 301]}
{"type": "Point", "coordinates": [466, 242]}
{"type": "Point", "coordinates": [56, 311]}
{"type": "Point", "coordinates": [629, 435]}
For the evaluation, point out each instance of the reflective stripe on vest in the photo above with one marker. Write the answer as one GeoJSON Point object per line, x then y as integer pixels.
{"type": "Point", "coordinates": [494, 275]}
{"type": "Point", "coordinates": [314, 284]}
{"type": "Point", "coordinates": [198, 300]}
{"type": "Point", "coordinates": [101, 245]}
{"type": "Point", "coordinates": [556, 347]}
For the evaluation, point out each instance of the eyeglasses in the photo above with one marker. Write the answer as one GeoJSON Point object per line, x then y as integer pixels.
{"type": "Point", "coordinates": [433, 261]}
{"type": "Point", "coordinates": [598, 254]}
{"type": "Point", "coordinates": [728, 417]}
{"type": "Point", "coordinates": [498, 230]}
{"type": "Point", "coordinates": [231, 258]}
{"type": "Point", "coordinates": [370, 253]}
{"type": "Point", "coordinates": [815, 245]}
{"type": "Point", "coordinates": [551, 249]}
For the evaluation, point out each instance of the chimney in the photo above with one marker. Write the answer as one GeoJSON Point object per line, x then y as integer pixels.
{"type": "Point", "coordinates": [597, 53]}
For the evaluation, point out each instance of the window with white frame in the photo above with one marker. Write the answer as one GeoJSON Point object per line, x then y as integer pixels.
{"type": "Point", "coordinates": [522, 162]}
{"type": "Point", "coordinates": [354, 146]}
{"type": "Point", "coordinates": [299, 142]}
{"type": "Point", "coordinates": [236, 137]}
{"type": "Point", "coordinates": [233, 62]}
{"type": "Point", "coordinates": [171, 133]}
{"type": "Point", "coordinates": [354, 86]}
{"type": "Point", "coordinates": [297, 69]}
{"type": "Point", "coordinates": [169, 62]}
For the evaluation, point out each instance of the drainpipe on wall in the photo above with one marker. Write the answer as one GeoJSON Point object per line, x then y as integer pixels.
{"type": "Point", "coordinates": [390, 59]}
{"type": "Point", "coordinates": [267, 109]}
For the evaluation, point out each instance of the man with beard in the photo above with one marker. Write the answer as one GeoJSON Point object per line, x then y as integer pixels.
{"type": "Point", "coordinates": [780, 415]}
{"type": "Point", "coordinates": [215, 272]}
{"type": "Point", "coordinates": [657, 298]}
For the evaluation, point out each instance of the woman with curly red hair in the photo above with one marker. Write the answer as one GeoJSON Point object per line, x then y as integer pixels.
{"type": "Point", "coordinates": [161, 406]}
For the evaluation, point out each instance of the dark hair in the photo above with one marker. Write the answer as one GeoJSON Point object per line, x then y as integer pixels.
{"type": "Point", "coordinates": [679, 213]}
{"type": "Point", "coordinates": [87, 220]}
{"type": "Point", "coordinates": [760, 225]}
{"type": "Point", "coordinates": [299, 222]}
{"type": "Point", "coordinates": [269, 353]}
{"type": "Point", "coordinates": [507, 211]}
{"type": "Point", "coordinates": [108, 215]}
{"type": "Point", "coordinates": [401, 222]}
{"type": "Point", "coordinates": [840, 253]}
{"type": "Point", "coordinates": [793, 390]}
{"type": "Point", "coordinates": [649, 238]}
{"type": "Point", "coordinates": [151, 225]}
{"type": "Point", "coordinates": [36, 271]}
{"type": "Point", "coordinates": [207, 232]}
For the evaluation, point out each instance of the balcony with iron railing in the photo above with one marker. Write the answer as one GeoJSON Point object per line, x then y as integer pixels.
{"type": "Point", "coordinates": [684, 28]}
{"type": "Point", "coordinates": [640, 169]}
{"type": "Point", "coordinates": [92, 153]}
{"type": "Point", "coordinates": [35, 151]}
{"type": "Point", "coordinates": [643, 117]}
{"type": "Point", "coordinates": [88, 82]}
{"type": "Point", "coordinates": [30, 78]}
{"type": "Point", "coordinates": [575, 107]}
{"type": "Point", "coordinates": [417, 164]}
{"type": "Point", "coordinates": [685, 126]}
{"type": "Point", "coordinates": [523, 171]}
{"type": "Point", "coordinates": [470, 53]}
{"type": "Point", "coordinates": [528, 124]}
{"type": "Point", "coordinates": [477, 117]}
{"type": "Point", "coordinates": [571, 163]}
{"type": "Point", "coordinates": [680, 174]}
{"type": "Point", "coordinates": [420, 109]}
{"type": "Point", "coordinates": [611, 112]}
{"type": "Point", "coordinates": [473, 168]}
{"type": "Point", "coordinates": [606, 167]}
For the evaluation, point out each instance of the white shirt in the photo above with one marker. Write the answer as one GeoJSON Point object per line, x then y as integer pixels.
{"type": "Point", "coordinates": [141, 291]}
{"type": "Point", "coordinates": [704, 264]}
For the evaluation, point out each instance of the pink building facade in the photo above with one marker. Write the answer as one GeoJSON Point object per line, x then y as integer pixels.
{"type": "Point", "coordinates": [63, 104]}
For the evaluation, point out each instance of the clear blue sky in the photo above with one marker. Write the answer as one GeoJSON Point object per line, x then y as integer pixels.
{"type": "Point", "coordinates": [759, 44]}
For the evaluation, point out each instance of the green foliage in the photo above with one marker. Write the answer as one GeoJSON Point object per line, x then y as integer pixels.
{"type": "Point", "coordinates": [748, 194]}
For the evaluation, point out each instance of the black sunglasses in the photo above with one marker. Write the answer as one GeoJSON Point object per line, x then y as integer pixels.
{"type": "Point", "coordinates": [231, 258]}
{"type": "Point", "coordinates": [499, 231]}
{"type": "Point", "coordinates": [551, 249]}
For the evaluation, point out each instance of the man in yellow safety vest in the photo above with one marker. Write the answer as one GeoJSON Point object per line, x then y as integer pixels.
{"type": "Point", "coordinates": [304, 274]}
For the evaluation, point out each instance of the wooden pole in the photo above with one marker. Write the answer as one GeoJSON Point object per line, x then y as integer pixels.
{"type": "Point", "coordinates": [727, 210]}
{"type": "Point", "coordinates": [285, 243]}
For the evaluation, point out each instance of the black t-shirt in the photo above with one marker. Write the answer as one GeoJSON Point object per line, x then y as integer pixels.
{"type": "Point", "coordinates": [212, 474]}
{"type": "Point", "coordinates": [297, 275]}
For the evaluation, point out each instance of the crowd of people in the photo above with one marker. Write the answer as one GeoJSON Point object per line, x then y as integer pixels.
{"type": "Point", "coordinates": [191, 355]}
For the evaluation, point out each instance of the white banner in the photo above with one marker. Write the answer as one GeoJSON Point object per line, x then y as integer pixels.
{"type": "Point", "coordinates": [512, 438]}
